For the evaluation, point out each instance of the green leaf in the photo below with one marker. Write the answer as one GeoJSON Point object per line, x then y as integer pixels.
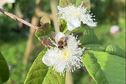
{"type": "Point", "coordinates": [63, 25]}
{"type": "Point", "coordinates": [86, 79]}
{"type": "Point", "coordinates": [42, 33]}
{"type": "Point", "coordinates": [94, 69]}
{"type": "Point", "coordinates": [0, 80]}
{"type": "Point", "coordinates": [4, 70]}
{"type": "Point", "coordinates": [103, 65]}
{"type": "Point", "coordinates": [115, 50]}
{"type": "Point", "coordinates": [39, 33]}
{"type": "Point", "coordinates": [40, 74]}
{"type": "Point", "coordinates": [45, 27]}
{"type": "Point", "coordinates": [54, 77]}
{"type": "Point", "coordinates": [89, 37]}
{"type": "Point", "coordinates": [95, 47]}
{"type": "Point", "coordinates": [37, 71]}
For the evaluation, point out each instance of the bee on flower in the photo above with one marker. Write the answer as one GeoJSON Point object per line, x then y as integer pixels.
{"type": "Point", "coordinates": [75, 15]}
{"type": "Point", "coordinates": [66, 55]}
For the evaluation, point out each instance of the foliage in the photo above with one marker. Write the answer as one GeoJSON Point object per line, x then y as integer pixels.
{"type": "Point", "coordinates": [103, 66]}
{"type": "Point", "coordinates": [4, 70]}
{"type": "Point", "coordinates": [40, 74]}
{"type": "Point", "coordinates": [103, 59]}
{"type": "Point", "coordinates": [113, 49]}
{"type": "Point", "coordinates": [88, 36]}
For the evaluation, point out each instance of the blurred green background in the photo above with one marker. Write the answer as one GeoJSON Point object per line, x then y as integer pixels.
{"type": "Point", "coordinates": [14, 36]}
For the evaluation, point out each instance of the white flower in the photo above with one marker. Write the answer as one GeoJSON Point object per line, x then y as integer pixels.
{"type": "Point", "coordinates": [2, 2]}
{"type": "Point", "coordinates": [66, 59]}
{"type": "Point", "coordinates": [114, 29]}
{"type": "Point", "coordinates": [75, 15]}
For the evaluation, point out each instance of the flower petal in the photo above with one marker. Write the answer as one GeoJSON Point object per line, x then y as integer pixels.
{"type": "Point", "coordinates": [50, 57]}
{"type": "Point", "coordinates": [75, 15]}
{"type": "Point", "coordinates": [87, 19]}
{"type": "Point", "coordinates": [60, 67]}
{"type": "Point", "coordinates": [74, 23]}
{"type": "Point", "coordinates": [66, 59]}
{"type": "Point", "coordinates": [58, 36]}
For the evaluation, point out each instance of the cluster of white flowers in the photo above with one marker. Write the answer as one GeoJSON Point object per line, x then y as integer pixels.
{"type": "Point", "coordinates": [75, 15]}
{"type": "Point", "coordinates": [66, 59]}
{"type": "Point", "coordinates": [3, 2]}
{"type": "Point", "coordinates": [66, 55]}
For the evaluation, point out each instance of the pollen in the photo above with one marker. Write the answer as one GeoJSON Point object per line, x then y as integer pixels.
{"type": "Point", "coordinates": [66, 54]}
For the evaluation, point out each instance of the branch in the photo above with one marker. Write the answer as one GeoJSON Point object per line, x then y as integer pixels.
{"type": "Point", "coordinates": [54, 15]}
{"type": "Point", "coordinates": [16, 18]}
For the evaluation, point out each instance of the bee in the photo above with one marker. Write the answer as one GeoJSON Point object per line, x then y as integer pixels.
{"type": "Point", "coordinates": [62, 42]}
{"type": "Point", "coordinates": [49, 42]}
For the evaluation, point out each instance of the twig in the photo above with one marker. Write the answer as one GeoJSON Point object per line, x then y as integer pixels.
{"type": "Point", "coordinates": [54, 14]}
{"type": "Point", "coordinates": [14, 17]}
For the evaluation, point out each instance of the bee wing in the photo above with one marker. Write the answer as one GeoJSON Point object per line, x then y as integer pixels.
{"type": "Point", "coordinates": [46, 42]}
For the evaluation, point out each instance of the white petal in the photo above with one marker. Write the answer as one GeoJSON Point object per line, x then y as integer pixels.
{"type": "Point", "coordinates": [11, 1]}
{"type": "Point", "coordinates": [3, 2]}
{"type": "Point", "coordinates": [58, 36]}
{"type": "Point", "coordinates": [73, 24]}
{"type": "Point", "coordinates": [74, 63]}
{"type": "Point", "coordinates": [74, 15]}
{"type": "Point", "coordinates": [1, 6]}
{"type": "Point", "coordinates": [72, 43]}
{"type": "Point", "coordinates": [50, 57]}
{"type": "Point", "coordinates": [47, 61]}
{"type": "Point", "coordinates": [60, 67]}
{"type": "Point", "coordinates": [89, 21]}
{"type": "Point", "coordinates": [86, 17]}
{"type": "Point", "coordinates": [67, 59]}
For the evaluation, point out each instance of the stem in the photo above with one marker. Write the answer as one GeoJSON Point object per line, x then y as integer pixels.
{"type": "Point", "coordinates": [65, 30]}
{"type": "Point", "coordinates": [82, 4]}
{"type": "Point", "coordinates": [69, 79]}
{"type": "Point", "coordinates": [54, 14]}
{"type": "Point", "coordinates": [14, 17]}
{"type": "Point", "coordinates": [57, 29]}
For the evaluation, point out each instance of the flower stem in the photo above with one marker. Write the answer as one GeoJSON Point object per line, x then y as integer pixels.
{"type": "Point", "coordinates": [69, 79]}
{"type": "Point", "coordinates": [65, 30]}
